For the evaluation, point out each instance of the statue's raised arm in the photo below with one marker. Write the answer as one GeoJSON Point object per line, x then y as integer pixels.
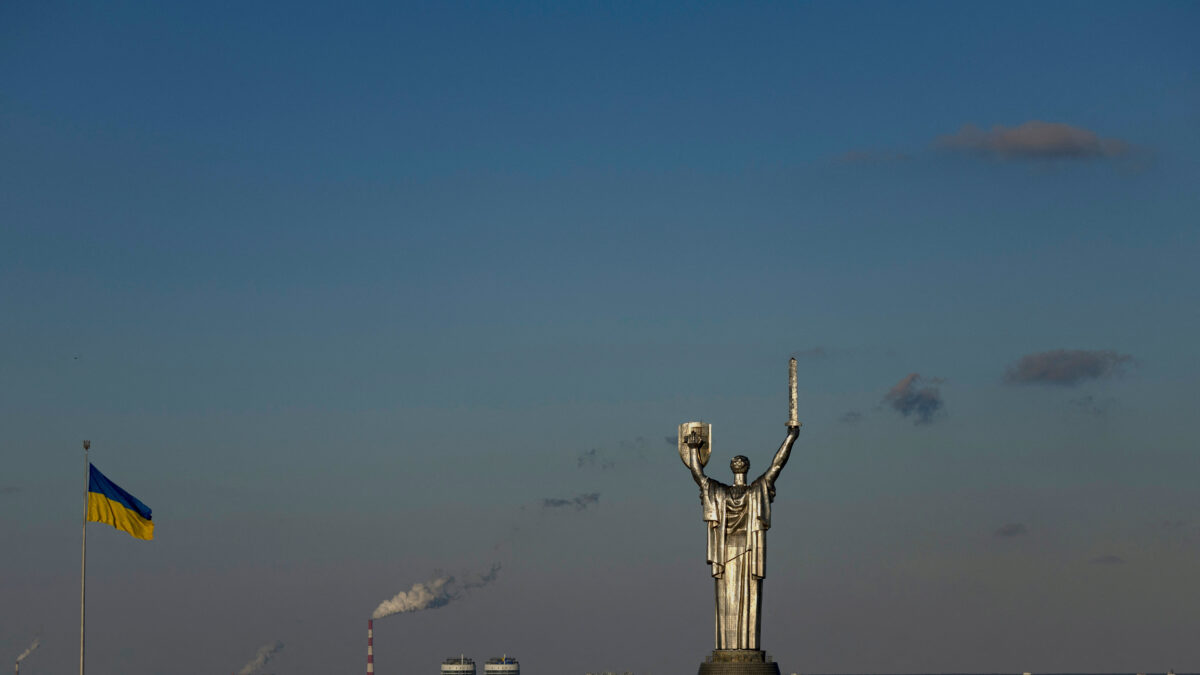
{"type": "Point", "coordinates": [694, 443]}
{"type": "Point", "coordinates": [781, 456]}
{"type": "Point", "coordinates": [793, 427]}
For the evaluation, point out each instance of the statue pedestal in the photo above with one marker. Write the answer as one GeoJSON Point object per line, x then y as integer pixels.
{"type": "Point", "coordinates": [738, 662]}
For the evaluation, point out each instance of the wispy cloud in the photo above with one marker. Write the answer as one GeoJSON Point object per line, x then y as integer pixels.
{"type": "Point", "coordinates": [1011, 530]}
{"type": "Point", "coordinates": [9, 489]}
{"type": "Point", "coordinates": [909, 398]}
{"type": "Point", "coordinates": [1066, 366]}
{"type": "Point", "coordinates": [594, 457]}
{"type": "Point", "coordinates": [851, 417]}
{"type": "Point", "coordinates": [1108, 560]}
{"type": "Point", "coordinates": [608, 458]}
{"type": "Point", "coordinates": [1034, 140]}
{"type": "Point", "coordinates": [578, 503]}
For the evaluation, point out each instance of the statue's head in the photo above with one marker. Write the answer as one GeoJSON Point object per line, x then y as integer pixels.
{"type": "Point", "coordinates": [739, 464]}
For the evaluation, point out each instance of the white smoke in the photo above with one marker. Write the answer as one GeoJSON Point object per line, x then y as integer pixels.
{"type": "Point", "coordinates": [260, 659]}
{"type": "Point", "coordinates": [425, 595]}
{"type": "Point", "coordinates": [29, 650]}
{"type": "Point", "coordinates": [434, 593]}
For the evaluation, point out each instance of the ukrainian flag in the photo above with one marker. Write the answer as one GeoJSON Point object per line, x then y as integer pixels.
{"type": "Point", "coordinates": [108, 503]}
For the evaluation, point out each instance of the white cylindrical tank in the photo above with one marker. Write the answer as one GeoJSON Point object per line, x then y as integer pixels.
{"type": "Point", "coordinates": [502, 665]}
{"type": "Point", "coordinates": [458, 665]}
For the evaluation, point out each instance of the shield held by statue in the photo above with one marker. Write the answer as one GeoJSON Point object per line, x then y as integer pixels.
{"type": "Point", "coordinates": [703, 432]}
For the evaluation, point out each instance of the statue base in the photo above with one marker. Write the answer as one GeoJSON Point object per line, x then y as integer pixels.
{"type": "Point", "coordinates": [738, 662]}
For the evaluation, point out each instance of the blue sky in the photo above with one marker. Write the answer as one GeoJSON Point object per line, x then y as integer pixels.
{"type": "Point", "coordinates": [344, 294]}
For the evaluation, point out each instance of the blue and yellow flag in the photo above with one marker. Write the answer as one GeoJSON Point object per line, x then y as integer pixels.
{"type": "Point", "coordinates": [108, 503]}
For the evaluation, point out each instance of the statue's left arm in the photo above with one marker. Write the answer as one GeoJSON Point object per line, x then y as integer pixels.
{"type": "Point", "coordinates": [781, 457]}
{"type": "Point", "coordinates": [694, 463]}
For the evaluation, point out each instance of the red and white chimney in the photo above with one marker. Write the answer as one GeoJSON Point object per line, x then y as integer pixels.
{"type": "Point", "coordinates": [370, 647]}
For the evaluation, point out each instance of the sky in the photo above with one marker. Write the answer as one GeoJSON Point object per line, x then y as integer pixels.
{"type": "Point", "coordinates": [362, 297]}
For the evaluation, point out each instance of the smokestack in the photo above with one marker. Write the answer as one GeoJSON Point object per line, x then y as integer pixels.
{"type": "Point", "coordinates": [370, 647]}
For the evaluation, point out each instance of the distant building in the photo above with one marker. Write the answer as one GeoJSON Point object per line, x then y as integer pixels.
{"type": "Point", "coordinates": [502, 665]}
{"type": "Point", "coordinates": [458, 665]}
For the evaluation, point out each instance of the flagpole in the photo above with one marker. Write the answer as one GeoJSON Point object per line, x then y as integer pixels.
{"type": "Point", "coordinates": [87, 480]}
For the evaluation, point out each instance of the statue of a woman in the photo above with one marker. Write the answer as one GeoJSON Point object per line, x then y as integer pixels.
{"type": "Point", "coordinates": [738, 517]}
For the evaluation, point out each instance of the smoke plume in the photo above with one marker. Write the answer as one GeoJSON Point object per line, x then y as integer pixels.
{"type": "Point", "coordinates": [29, 650]}
{"type": "Point", "coordinates": [579, 503]}
{"type": "Point", "coordinates": [260, 659]}
{"type": "Point", "coordinates": [594, 457]}
{"type": "Point", "coordinates": [435, 593]}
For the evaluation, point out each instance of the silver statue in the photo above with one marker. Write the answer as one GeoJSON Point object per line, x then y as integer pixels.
{"type": "Point", "coordinates": [738, 517]}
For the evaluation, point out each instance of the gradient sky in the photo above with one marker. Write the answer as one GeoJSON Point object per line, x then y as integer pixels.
{"type": "Point", "coordinates": [345, 294]}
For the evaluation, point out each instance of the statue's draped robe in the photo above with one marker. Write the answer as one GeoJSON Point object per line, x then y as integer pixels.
{"type": "Point", "coordinates": [738, 518]}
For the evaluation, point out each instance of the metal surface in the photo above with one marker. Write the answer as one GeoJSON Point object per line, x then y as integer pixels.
{"type": "Point", "coordinates": [695, 431]}
{"type": "Point", "coordinates": [738, 517]}
{"type": "Point", "coordinates": [793, 421]}
{"type": "Point", "coordinates": [716, 667]}
{"type": "Point", "coordinates": [458, 665]}
{"type": "Point", "coordinates": [502, 665]}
